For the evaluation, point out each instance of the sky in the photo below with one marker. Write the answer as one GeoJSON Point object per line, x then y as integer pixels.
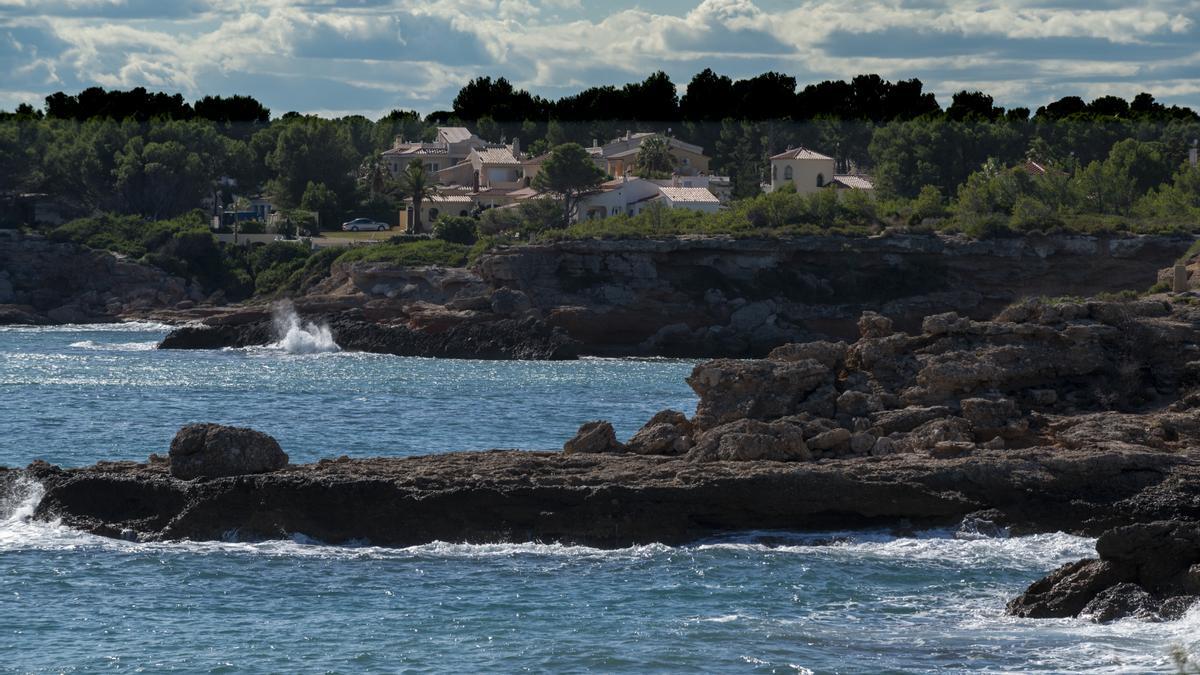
{"type": "Point", "coordinates": [370, 56]}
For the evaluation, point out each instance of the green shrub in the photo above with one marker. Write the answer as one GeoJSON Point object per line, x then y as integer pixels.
{"type": "Point", "coordinates": [455, 229]}
{"type": "Point", "coordinates": [416, 253]}
{"type": "Point", "coordinates": [985, 226]}
{"type": "Point", "coordinates": [1030, 214]}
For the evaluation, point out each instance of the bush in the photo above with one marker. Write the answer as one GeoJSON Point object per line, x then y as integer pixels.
{"type": "Point", "coordinates": [416, 253]}
{"type": "Point", "coordinates": [455, 229]}
{"type": "Point", "coordinates": [252, 227]}
{"type": "Point", "coordinates": [1030, 214]}
{"type": "Point", "coordinates": [499, 220]}
{"type": "Point", "coordinates": [985, 226]}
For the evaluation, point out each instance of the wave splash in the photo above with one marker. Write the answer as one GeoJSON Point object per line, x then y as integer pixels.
{"type": "Point", "coordinates": [19, 498]}
{"type": "Point", "coordinates": [296, 337]}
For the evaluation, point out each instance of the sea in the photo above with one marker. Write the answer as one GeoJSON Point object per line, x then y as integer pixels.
{"type": "Point", "coordinates": [769, 602]}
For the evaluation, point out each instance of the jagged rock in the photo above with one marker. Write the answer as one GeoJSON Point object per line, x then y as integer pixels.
{"type": "Point", "coordinates": [730, 390]}
{"type": "Point", "coordinates": [906, 419]}
{"type": "Point", "coordinates": [829, 354]}
{"type": "Point", "coordinates": [1145, 570]}
{"type": "Point", "coordinates": [830, 440]}
{"type": "Point", "coordinates": [506, 301]}
{"type": "Point", "coordinates": [214, 451]}
{"type": "Point", "coordinates": [1120, 601]}
{"type": "Point", "coordinates": [943, 324]}
{"type": "Point", "coordinates": [862, 443]}
{"type": "Point", "coordinates": [667, 433]}
{"type": "Point", "coordinates": [873, 325]}
{"type": "Point", "coordinates": [747, 439]}
{"type": "Point", "coordinates": [593, 438]}
{"type": "Point", "coordinates": [883, 446]}
{"type": "Point", "coordinates": [949, 449]}
{"type": "Point", "coordinates": [1067, 590]}
{"type": "Point", "coordinates": [854, 404]}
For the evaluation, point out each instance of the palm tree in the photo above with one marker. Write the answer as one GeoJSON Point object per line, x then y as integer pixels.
{"type": "Point", "coordinates": [654, 158]}
{"type": "Point", "coordinates": [415, 183]}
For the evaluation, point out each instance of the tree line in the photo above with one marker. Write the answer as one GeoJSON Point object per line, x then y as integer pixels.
{"type": "Point", "coordinates": [157, 155]}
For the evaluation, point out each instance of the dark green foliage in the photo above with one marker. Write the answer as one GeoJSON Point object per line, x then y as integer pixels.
{"type": "Point", "coordinates": [428, 252]}
{"type": "Point", "coordinates": [456, 229]}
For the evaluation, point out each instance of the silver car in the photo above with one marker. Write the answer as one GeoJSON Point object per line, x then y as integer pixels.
{"type": "Point", "coordinates": [365, 225]}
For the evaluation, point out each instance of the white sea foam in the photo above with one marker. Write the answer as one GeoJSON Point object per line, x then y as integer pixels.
{"type": "Point", "coordinates": [115, 346]}
{"type": "Point", "coordinates": [122, 327]}
{"type": "Point", "coordinates": [296, 337]}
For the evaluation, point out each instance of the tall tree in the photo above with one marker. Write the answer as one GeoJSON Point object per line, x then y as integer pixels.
{"type": "Point", "coordinates": [568, 173]}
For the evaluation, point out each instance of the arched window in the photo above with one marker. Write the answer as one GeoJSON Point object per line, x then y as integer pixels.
{"type": "Point", "coordinates": [820, 180]}
{"type": "Point", "coordinates": [787, 173]}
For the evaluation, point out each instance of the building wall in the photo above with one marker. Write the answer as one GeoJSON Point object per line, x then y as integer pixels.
{"type": "Point", "coordinates": [704, 207]}
{"type": "Point", "coordinates": [804, 173]}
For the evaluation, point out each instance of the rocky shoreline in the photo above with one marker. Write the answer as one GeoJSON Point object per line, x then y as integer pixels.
{"type": "Point", "coordinates": [1076, 416]}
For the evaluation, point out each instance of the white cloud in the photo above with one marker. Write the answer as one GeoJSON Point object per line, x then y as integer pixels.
{"type": "Point", "coordinates": [392, 53]}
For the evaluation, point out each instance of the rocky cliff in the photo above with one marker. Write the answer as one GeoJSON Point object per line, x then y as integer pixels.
{"type": "Point", "coordinates": [47, 282]}
{"type": "Point", "coordinates": [713, 296]}
{"type": "Point", "coordinates": [704, 296]}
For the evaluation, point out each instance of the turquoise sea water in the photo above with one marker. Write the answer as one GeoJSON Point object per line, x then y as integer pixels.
{"type": "Point", "coordinates": [808, 602]}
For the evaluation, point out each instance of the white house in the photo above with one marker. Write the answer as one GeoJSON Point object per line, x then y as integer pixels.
{"type": "Point", "coordinates": [692, 198]}
{"type": "Point", "coordinates": [631, 196]}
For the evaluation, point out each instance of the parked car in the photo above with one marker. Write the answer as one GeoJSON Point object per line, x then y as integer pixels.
{"type": "Point", "coordinates": [364, 224]}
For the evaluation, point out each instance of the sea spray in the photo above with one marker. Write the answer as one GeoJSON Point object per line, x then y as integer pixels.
{"type": "Point", "coordinates": [295, 337]}
{"type": "Point", "coordinates": [19, 497]}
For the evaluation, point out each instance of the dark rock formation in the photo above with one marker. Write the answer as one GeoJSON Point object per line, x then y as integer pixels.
{"type": "Point", "coordinates": [493, 338]}
{"type": "Point", "coordinates": [1146, 570]}
{"type": "Point", "coordinates": [593, 438]}
{"type": "Point", "coordinates": [215, 451]}
{"type": "Point", "coordinates": [615, 500]}
{"type": "Point", "coordinates": [46, 282]}
{"type": "Point", "coordinates": [710, 296]}
{"type": "Point", "coordinates": [1079, 374]}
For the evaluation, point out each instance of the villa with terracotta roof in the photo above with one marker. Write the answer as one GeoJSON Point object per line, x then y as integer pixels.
{"type": "Point", "coordinates": [619, 156]}
{"type": "Point", "coordinates": [451, 147]}
{"type": "Point", "coordinates": [473, 175]}
{"type": "Point", "coordinates": [810, 171]}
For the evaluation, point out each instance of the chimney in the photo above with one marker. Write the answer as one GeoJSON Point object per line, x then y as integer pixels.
{"type": "Point", "coordinates": [516, 147]}
{"type": "Point", "coordinates": [595, 144]}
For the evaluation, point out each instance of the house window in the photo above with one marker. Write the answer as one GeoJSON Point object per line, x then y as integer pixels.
{"type": "Point", "coordinates": [774, 172]}
{"type": "Point", "coordinates": [433, 214]}
{"type": "Point", "coordinates": [820, 180]}
{"type": "Point", "coordinates": [685, 161]}
{"type": "Point", "coordinates": [463, 212]}
{"type": "Point", "coordinates": [616, 210]}
{"type": "Point", "coordinates": [787, 173]}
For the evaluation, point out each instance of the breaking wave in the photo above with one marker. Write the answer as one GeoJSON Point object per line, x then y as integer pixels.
{"type": "Point", "coordinates": [296, 337]}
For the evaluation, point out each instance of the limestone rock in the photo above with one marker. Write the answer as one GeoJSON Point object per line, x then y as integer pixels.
{"type": "Point", "coordinates": [872, 325]}
{"type": "Point", "coordinates": [593, 438]}
{"type": "Point", "coordinates": [667, 433]}
{"type": "Point", "coordinates": [214, 451]}
{"type": "Point", "coordinates": [747, 439]}
{"type": "Point", "coordinates": [829, 354]}
{"type": "Point", "coordinates": [830, 440]}
{"type": "Point", "coordinates": [730, 390]}
{"type": "Point", "coordinates": [507, 301]}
